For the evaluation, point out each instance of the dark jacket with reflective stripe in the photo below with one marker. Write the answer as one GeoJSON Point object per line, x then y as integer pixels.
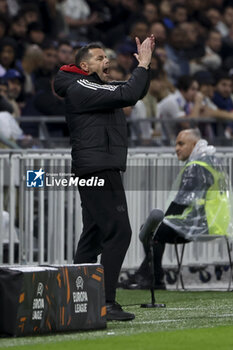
{"type": "Point", "coordinates": [95, 118]}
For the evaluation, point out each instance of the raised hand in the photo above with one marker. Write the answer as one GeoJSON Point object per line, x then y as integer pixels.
{"type": "Point", "coordinates": [152, 40]}
{"type": "Point", "coordinates": [138, 46]}
{"type": "Point", "coordinates": [145, 50]}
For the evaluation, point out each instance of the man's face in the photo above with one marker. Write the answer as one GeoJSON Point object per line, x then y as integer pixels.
{"type": "Point", "coordinates": [49, 58]}
{"type": "Point", "coordinates": [190, 94]}
{"type": "Point", "coordinates": [228, 16]}
{"type": "Point", "coordinates": [3, 90]}
{"type": "Point", "coordinates": [185, 143]}
{"type": "Point", "coordinates": [224, 88]}
{"type": "Point", "coordinates": [130, 4]}
{"type": "Point", "coordinates": [156, 85]}
{"type": "Point", "coordinates": [98, 63]}
{"type": "Point", "coordinates": [215, 41]}
{"type": "Point", "coordinates": [190, 30]}
{"type": "Point", "coordinates": [140, 30]}
{"type": "Point", "coordinates": [3, 6]}
{"type": "Point", "coordinates": [19, 28]}
{"type": "Point", "coordinates": [37, 36]}
{"type": "Point", "coordinates": [159, 32]}
{"type": "Point", "coordinates": [7, 56]}
{"type": "Point", "coordinates": [65, 54]}
{"type": "Point", "coordinates": [179, 38]}
{"type": "Point", "coordinates": [214, 16]}
{"type": "Point", "coordinates": [14, 88]}
{"type": "Point", "coordinates": [180, 15]}
{"type": "Point", "coordinates": [31, 16]}
{"type": "Point", "coordinates": [150, 12]}
{"type": "Point", "coordinates": [207, 90]}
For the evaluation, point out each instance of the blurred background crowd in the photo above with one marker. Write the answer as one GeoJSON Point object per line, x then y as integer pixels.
{"type": "Point", "coordinates": [191, 69]}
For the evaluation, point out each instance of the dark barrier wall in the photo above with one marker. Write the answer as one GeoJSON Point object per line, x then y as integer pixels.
{"type": "Point", "coordinates": [51, 299]}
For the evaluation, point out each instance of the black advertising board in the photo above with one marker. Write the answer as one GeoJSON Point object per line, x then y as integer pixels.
{"type": "Point", "coordinates": [43, 299]}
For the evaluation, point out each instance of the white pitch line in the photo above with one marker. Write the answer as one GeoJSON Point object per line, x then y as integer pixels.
{"type": "Point", "coordinates": [222, 316]}
{"type": "Point", "coordinates": [192, 308]}
{"type": "Point", "coordinates": [183, 308]}
{"type": "Point", "coordinates": [154, 322]}
{"type": "Point", "coordinates": [168, 321]}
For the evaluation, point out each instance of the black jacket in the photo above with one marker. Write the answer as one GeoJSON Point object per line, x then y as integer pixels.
{"type": "Point", "coordinates": [95, 119]}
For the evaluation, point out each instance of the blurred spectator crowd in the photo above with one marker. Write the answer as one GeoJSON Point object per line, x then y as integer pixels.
{"type": "Point", "coordinates": [191, 69]}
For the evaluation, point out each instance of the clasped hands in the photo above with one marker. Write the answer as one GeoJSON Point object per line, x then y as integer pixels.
{"type": "Point", "coordinates": [145, 50]}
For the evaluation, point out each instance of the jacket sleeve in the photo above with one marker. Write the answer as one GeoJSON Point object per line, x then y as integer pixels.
{"type": "Point", "coordinates": [88, 96]}
{"type": "Point", "coordinates": [147, 85]}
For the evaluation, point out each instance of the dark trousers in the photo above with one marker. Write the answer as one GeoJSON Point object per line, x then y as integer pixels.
{"type": "Point", "coordinates": [106, 227]}
{"type": "Point", "coordinates": [165, 234]}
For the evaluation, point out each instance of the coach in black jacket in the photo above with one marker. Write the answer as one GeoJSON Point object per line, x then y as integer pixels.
{"type": "Point", "coordinates": [99, 148]}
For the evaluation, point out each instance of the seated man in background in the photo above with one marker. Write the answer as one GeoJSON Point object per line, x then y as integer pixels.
{"type": "Point", "coordinates": [210, 131]}
{"type": "Point", "coordinates": [186, 101]}
{"type": "Point", "coordinates": [200, 205]}
{"type": "Point", "coordinates": [222, 97]}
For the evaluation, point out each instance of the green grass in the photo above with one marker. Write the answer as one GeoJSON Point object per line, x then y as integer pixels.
{"type": "Point", "coordinates": [191, 321]}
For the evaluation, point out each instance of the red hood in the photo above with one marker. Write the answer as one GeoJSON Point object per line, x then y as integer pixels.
{"type": "Point", "coordinates": [72, 68]}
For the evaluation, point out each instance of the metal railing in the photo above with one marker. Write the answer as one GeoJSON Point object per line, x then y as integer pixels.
{"type": "Point", "coordinates": [45, 226]}
{"type": "Point", "coordinates": [46, 139]}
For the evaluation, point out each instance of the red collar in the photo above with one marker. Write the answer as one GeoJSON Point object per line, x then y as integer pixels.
{"type": "Point", "coordinates": [72, 68]}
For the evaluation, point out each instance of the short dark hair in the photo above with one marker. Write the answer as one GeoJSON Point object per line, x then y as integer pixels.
{"type": "Point", "coordinates": [184, 82]}
{"type": "Point", "coordinates": [29, 7]}
{"type": "Point", "coordinates": [34, 26]}
{"type": "Point", "coordinates": [48, 44]}
{"type": "Point", "coordinates": [135, 21]}
{"type": "Point", "coordinates": [64, 42]}
{"type": "Point", "coordinates": [178, 6]}
{"type": "Point", "coordinates": [8, 41]}
{"type": "Point", "coordinates": [230, 5]}
{"type": "Point", "coordinates": [221, 75]}
{"type": "Point", "coordinates": [204, 77]}
{"type": "Point", "coordinates": [84, 53]}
